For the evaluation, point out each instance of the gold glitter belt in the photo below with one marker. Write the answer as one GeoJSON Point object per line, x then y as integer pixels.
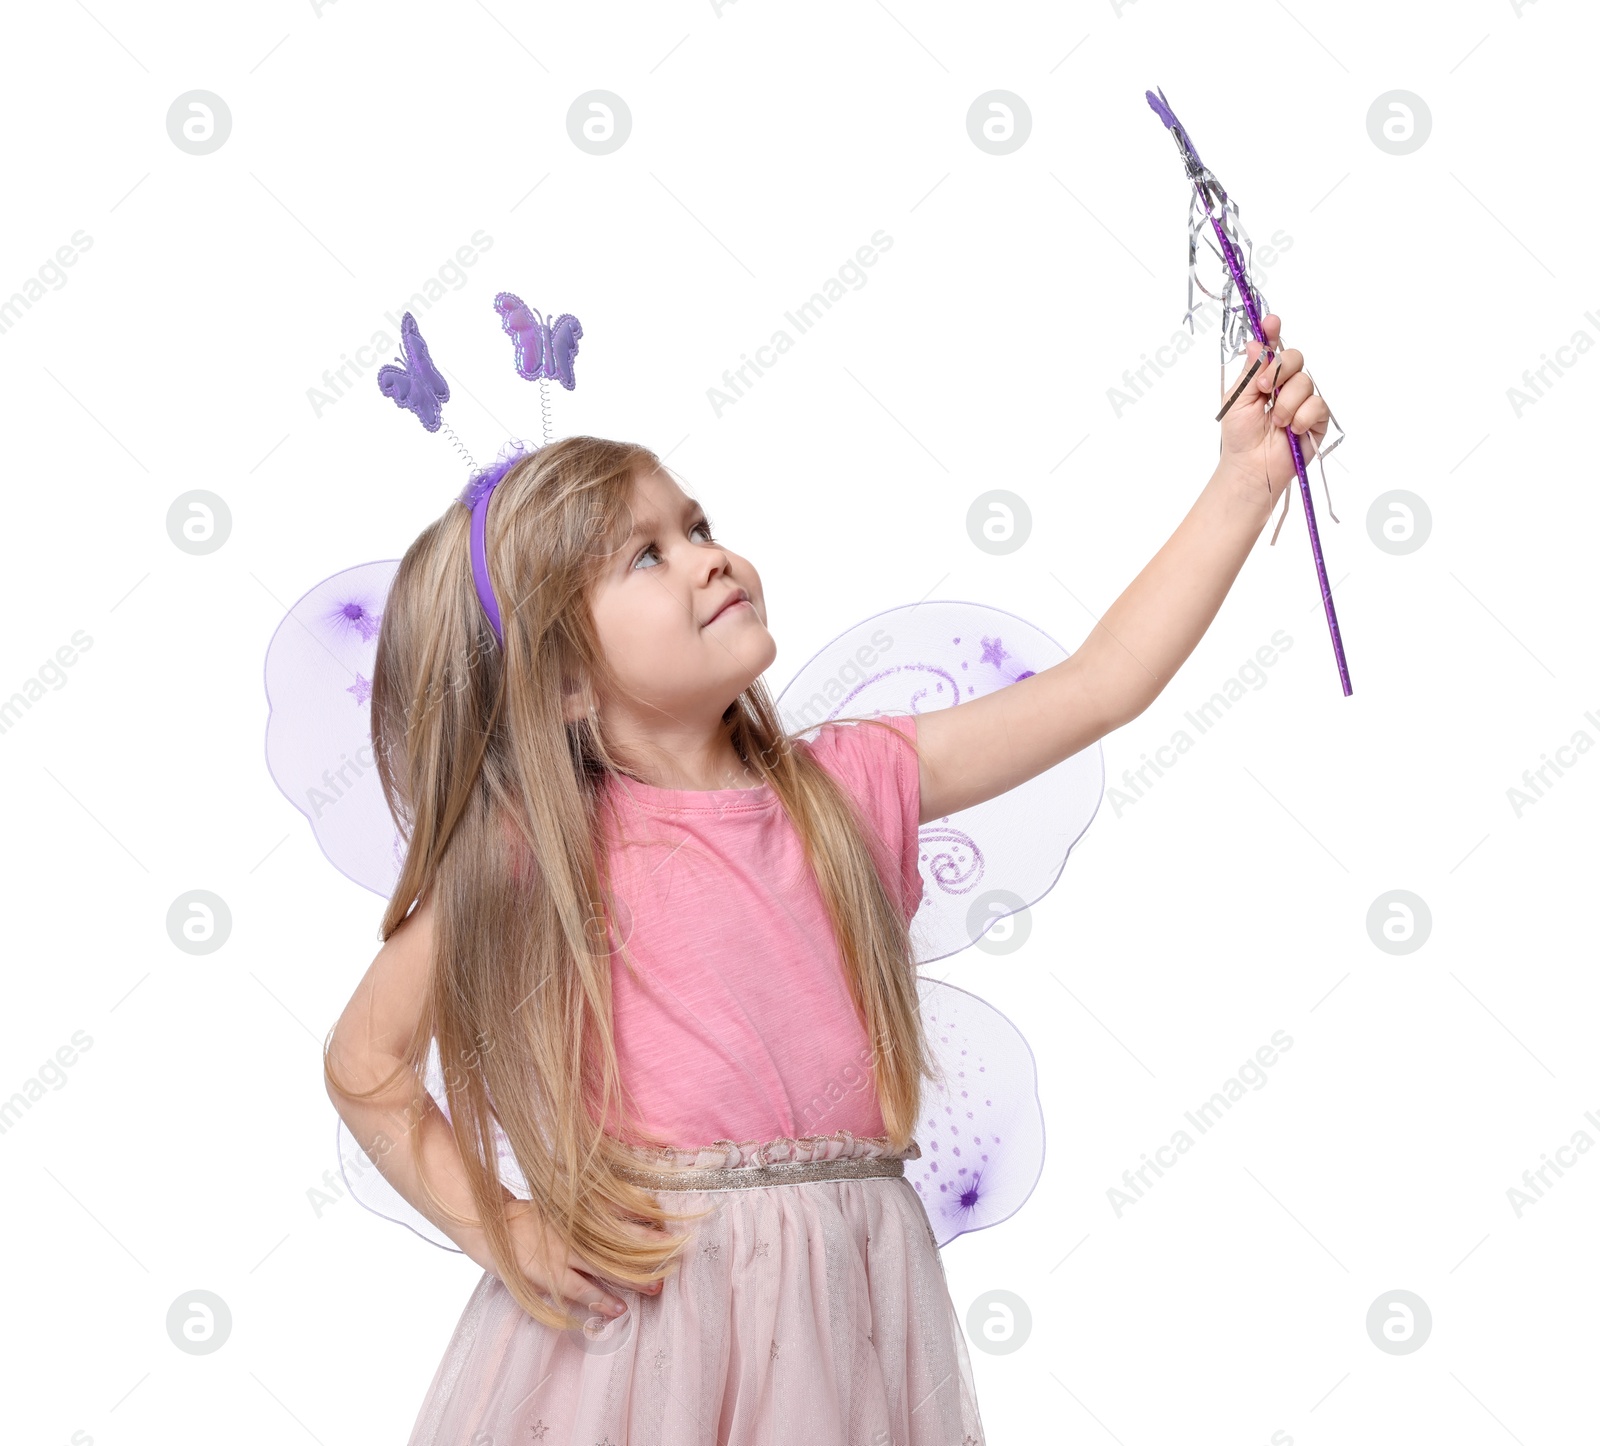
{"type": "Point", "coordinates": [750, 1177]}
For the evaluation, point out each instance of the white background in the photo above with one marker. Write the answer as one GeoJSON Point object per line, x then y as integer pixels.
{"type": "Point", "coordinates": [768, 142]}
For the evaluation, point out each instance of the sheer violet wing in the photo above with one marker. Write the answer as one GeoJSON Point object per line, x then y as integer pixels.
{"type": "Point", "coordinates": [983, 1128]}
{"type": "Point", "coordinates": [996, 858]}
{"type": "Point", "coordinates": [318, 679]}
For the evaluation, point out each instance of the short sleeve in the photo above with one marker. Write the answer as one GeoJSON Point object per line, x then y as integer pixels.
{"type": "Point", "coordinates": [879, 771]}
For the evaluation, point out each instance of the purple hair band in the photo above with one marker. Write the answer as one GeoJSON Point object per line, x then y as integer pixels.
{"type": "Point", "coordinates": [475, 498]}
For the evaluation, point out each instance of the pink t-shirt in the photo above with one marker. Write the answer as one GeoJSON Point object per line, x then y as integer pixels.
{"type": "Point", "coordinates": [740, 1024]}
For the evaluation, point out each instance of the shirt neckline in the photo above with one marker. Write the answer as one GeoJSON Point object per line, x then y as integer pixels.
{"type": "Point", "coordinates": [693, 800]}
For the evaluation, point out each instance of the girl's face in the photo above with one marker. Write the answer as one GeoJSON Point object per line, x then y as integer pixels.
{"type": "Point", "coordinates": [680, 661]}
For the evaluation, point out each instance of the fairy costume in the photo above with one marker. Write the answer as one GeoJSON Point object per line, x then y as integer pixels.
{"type": "Point", "coordinates": [811, 1304]}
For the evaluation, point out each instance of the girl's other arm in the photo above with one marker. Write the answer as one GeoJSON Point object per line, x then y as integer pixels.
{"type": "Point", "coordinates": [978, 750]}
{"type": "Point", "coordinates": [396, 1127]}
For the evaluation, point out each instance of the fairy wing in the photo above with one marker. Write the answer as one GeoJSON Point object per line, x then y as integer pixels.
{"type": "Point", "coordinates": [318, 678]}
{"type": "Point", "coordinates": [982, 1131]}
{"type": "Point", "coordinates": [995, 858]}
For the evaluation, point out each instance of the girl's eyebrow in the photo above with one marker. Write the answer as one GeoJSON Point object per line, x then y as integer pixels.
{"type": "Point", "coordinates": [641, 528]}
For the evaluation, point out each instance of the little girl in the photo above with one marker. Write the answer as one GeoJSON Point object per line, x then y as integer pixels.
{"type": "Point", "coordinates": [664, 947]}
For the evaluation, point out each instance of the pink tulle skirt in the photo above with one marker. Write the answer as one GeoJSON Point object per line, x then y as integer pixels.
{"type": "Point", "coordinates": [809, 1311]}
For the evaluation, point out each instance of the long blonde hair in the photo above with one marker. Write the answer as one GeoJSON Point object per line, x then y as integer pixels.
{"type": "Point", "coordinates": [498, 798]}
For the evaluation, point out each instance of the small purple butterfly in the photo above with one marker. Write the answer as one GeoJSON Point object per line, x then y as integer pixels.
{"type": "Point", "coordinates": [544, 348]}
{"type": "Point", "coordinates": [417, 386]}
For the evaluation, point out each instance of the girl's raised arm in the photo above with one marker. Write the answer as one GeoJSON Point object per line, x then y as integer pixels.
{"type": "Point", "coordinates": [980, 749]}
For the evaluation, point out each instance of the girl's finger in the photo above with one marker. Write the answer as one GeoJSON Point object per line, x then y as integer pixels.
{"type": "Point", "coordinates": [610, 1283]}
{"type": "Point", "coordinates": [1234, 393]}
{"type": "Point", "coordinates": [1311, 416]}
{"type": "Point", "coordinates": [578, 1290]}
{"type": "Point", "coordinates": [1277, 371]}
{"type": "Point", "coordinates": [620, 1287]}
{"type": "Point", "coordinates": [1291, 397]}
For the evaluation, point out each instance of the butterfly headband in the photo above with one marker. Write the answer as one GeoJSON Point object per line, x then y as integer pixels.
{"type": "Point", "coordinates": [545, 351]}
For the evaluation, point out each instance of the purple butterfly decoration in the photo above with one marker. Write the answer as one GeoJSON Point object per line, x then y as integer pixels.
{"type": "Point", "coordinates": [416, 386]}
{"type": "Point", "coordinates": [544, 348]}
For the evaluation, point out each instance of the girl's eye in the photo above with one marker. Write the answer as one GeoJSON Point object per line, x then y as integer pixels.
{"type": "Point", "coordinates": [702, 526]}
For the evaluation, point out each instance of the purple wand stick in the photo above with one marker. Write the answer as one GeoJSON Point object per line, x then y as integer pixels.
{"type": "Point", "coordinates": [1223, 215]}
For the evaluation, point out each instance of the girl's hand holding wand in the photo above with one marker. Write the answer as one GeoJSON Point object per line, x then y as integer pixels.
{"type": "Point", "coordinates": [1277, 398]}
{"type": "Point", "coordinates": [972, 753]}
{"type": "Point", "coordinates": [1147, 633]}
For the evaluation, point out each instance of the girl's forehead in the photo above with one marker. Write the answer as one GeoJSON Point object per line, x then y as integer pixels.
{"type": "Point", "coordinates": [653, 501]}
{"type": "Point", "coordinates": [656, 499]}
{"type": "Point", "coordinates": [654, 489]}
